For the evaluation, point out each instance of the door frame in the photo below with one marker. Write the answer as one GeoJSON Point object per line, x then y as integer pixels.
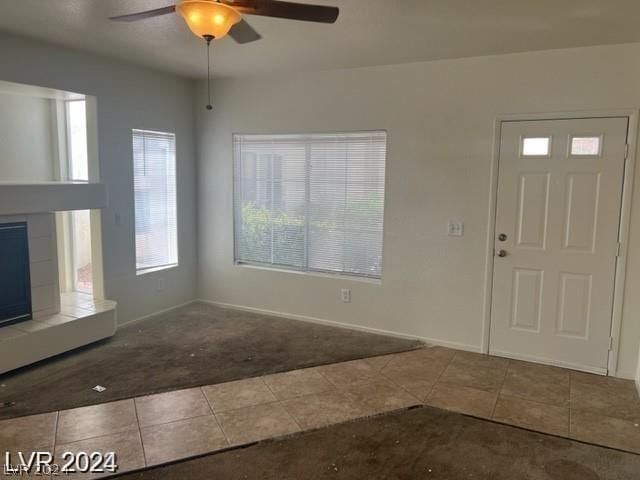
{"type": "Point", "coordinates": [623, 230]}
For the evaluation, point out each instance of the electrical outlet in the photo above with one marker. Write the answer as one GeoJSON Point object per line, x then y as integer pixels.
{"type": "Point", "coordinates": [455, 229]}
{"type": "Point", "coordinates": [160, 284]}
{"type": "Point", "coordinates": [346, 295]}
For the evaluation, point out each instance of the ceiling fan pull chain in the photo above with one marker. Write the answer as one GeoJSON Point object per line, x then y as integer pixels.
{"type": "Point", "coordinates": [208, 38]}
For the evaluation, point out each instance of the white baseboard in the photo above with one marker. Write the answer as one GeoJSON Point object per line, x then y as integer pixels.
{"type": "Point", "coordinates": [159, 312]}
{"type": "Point", "coordinates": [348, 326]}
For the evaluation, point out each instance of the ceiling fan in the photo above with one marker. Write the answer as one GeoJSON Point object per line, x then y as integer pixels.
{"type": "Point", "coordinates": [214, 19]}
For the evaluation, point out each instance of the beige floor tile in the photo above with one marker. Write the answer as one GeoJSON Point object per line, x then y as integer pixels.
{"type": "Point", "coordinates": [378, 363]}
{"type": "Point", "coordinates": [238, 394]}
{"type": "Point", "coordinates": [349, 373]}
{"type": "Point", "coordinates": [255, 423]}
{"type": "Point", "coordinates": [379, 396]}
{"type": "Point", "coordinates": [464, 375]}
{"type": "Point", "coordinates": [418, 388]}
{"type": "Point", "coordinates": [418, 366]}
{"type": "Point", "coordinates": [480, 360]}
{"type": "Point", "coordinates": [460, 399]}
{"type": "Point", "coordinates": [171, 406]}
{"type": "Point", "coordinates": [30, 432]}
{"type": "Point", "coordinates": [608, 431]}
{"type": "Point", "coordinates": [126, 445]}
{"type": "Point", "coordinates": [96, 421]}
{"type": "Point", "coordinates": [436, 353]}
{"type": "Point", "coordinates": [182, 439]}
{"type": "Point", "coordinates": [541, 417]}
{"type": "Point", "coordinates": [322, 409]}
{"type": "Point", "coordinates": [297, 383]}
{"type": "Point", "coordinates": [538, 383]}
{"type": "Point", "coordinates": [606, 396]}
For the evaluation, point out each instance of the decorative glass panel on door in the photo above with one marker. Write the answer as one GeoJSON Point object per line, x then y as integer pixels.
{"type": "Point", "coordinates": [586, 146]}
{"type": "Point", "coordinates": [536, 146]}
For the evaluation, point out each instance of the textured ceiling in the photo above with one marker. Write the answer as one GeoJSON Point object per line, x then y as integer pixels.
{"type": "Point", "coordinates": [368, 32]}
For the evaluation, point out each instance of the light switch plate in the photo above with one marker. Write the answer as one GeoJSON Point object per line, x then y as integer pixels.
{"type": "Point", "coordinates": [455, 228]}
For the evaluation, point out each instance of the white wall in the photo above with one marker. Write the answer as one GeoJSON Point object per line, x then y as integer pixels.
{"type": "Point", "coordinates": [128, 97]}
{"type": "Point", "coordinates": [440, 118]}
{"type": "Point", "coordinates": [26, 141]}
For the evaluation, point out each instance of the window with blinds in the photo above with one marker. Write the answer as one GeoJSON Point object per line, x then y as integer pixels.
{"type": "Point", "coordinates": [154, 182]}
{"type": "Point", "coordinates": [310, 202]}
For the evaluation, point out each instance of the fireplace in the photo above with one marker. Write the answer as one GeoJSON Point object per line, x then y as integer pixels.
{"type": "Point", "coordinates": [15, 280]}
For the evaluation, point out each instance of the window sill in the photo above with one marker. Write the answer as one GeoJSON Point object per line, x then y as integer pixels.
{"type": "Point", "coordinates": [332, 276]}
{"type": "Point", "coordinates": [144, 271]}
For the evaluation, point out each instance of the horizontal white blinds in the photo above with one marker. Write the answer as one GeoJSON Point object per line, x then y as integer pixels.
{"type": "Point", "coordinates": [311, 202]}
{"type": "Point", "coordinates": [154, 168]}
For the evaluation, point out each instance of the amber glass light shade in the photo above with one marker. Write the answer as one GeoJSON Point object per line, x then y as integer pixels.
{"type": "Point", "coordinates": [208, 17]}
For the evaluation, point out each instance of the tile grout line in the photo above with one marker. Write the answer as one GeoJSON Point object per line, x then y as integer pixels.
{"type": "Point", "coordinates": [55, 432]}
{"type": "Point", "coordinates": [435, 383]}
{"type": "Point", "coordinates": [215, 417]}
{"type": "Point", "coordinates": [279, 402]}
{"type": "Point", "coordinates": [144, 452]}
{"type": "Point", "coordinates": [570, 407]}
{"type": "Point", "coordinates": [499, 393]}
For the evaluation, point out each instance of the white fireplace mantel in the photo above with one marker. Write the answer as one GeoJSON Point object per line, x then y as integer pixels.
{"type": "Point", "coordinates": [22, 198]}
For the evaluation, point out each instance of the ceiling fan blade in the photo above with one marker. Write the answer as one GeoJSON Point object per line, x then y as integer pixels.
{"type": "Point", "coordinates": [290, 10]}
{"type": "Point", "coordinates": [142, 15]}
{"type": "Point", "coordinates": [242, 32]}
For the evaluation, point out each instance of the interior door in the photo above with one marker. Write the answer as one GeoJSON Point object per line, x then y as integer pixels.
{"type": "Point", "coordinates": [557, 223]}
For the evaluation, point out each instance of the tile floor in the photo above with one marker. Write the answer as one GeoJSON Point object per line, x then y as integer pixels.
{"type": "Point", "coordinates": [155, 429]}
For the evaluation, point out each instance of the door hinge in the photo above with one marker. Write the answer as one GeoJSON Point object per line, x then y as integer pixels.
{"type": "Point", "coordinates": [610, 343]}
{"type": "Point", "coordinates": [618, 250]}
{"type": "Point", "coordinates": [626, 151]}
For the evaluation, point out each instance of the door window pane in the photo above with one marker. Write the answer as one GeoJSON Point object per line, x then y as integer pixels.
{"type": "Point", "coordinates": [585, 146]}
{"type": "Point", "coordinates": [536, 146]}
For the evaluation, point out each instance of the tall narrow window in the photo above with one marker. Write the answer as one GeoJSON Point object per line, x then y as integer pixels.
{"type": "Point", "coordinates": [81, 251]}
{"type": "Point", "coordinates": [77, 164]}
{"type": "Point", "coordinates": [311, 202]}
{"type": "Point", "coordinates": [77, 170]}
{"type": "Point", "coordinates": [154, 179]}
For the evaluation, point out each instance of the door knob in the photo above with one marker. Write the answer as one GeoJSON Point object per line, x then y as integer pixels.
{"type": "Point", "coordinates": [502, 237]}
{"type": "Point", "coordinates": [501, 253]}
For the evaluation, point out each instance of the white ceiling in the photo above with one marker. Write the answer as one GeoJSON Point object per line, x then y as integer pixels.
{"type": "Point", "coordinates": [368, 32]}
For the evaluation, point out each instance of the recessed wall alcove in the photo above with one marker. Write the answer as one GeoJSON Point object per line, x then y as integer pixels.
{"type": "Point", "coordinates": [50, 200]}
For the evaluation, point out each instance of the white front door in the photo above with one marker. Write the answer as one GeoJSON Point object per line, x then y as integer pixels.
{"type": "Point", "coordinates": [557, 223]}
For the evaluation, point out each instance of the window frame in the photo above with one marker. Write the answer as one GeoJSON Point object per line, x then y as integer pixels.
{"type": "Point", "coordinates": [140, 271]}
{"type": "Point", "coordinates": [283, 268]}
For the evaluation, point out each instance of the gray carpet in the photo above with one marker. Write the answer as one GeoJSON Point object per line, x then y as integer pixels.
{"type": "Point", "coordinates": [198, 345]}
{"type": "Point", "coordinates": [424, 443]}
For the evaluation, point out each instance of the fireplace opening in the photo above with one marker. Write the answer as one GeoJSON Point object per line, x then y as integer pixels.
{"type": "Point", "coordinates": [15, 279]}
